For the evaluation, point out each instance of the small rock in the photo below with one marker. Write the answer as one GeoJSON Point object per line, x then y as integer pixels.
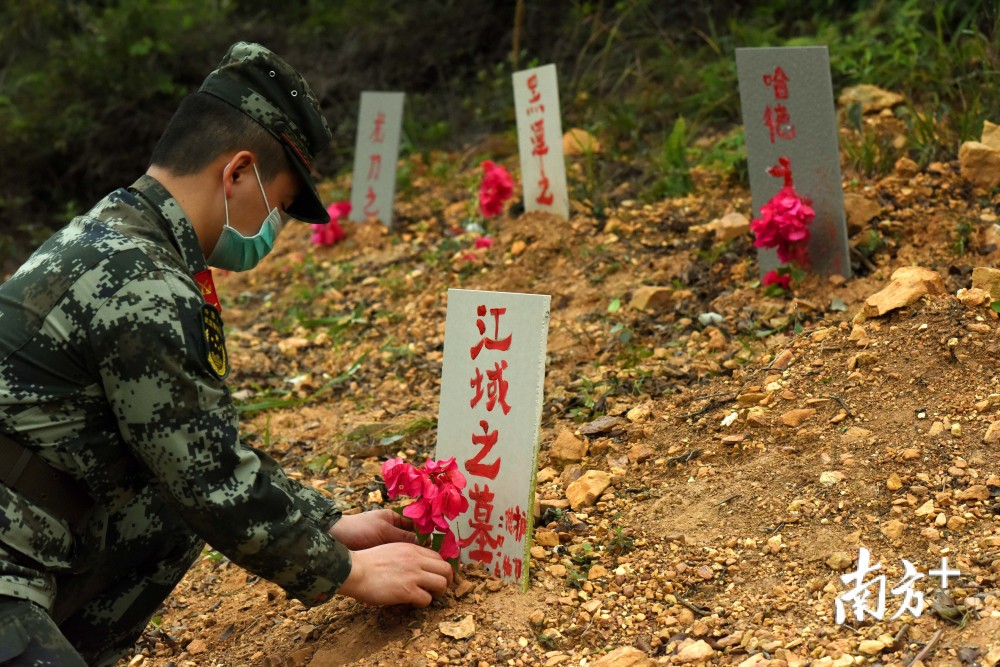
{"type": "Point", "coordinates": [782, 361]}
{"type": "Point", "coordinates": [640, 452]}
{"type": "Point", "coordinates": [536, 617]}
{"type": "Point", "coordinates": [546, 538]}
{"type": "Point", "coordinates": [992, 434]}
{"type": "Point", "coordinates": [197, 647]}
{"type": "Point", "coordinates": [597, 572]}
{"type": "Point", "coordinates": [462, 629]}
{"type": "Point", "coordinates": [987, 279]}
{"type": "Point", "coordinates": [976, 492]}
{"type": "Point", "coordinates": [956, 523]}
{"type": "Point", "coordinates": [907, 285]}
{"type": "Point", "coordinates": [599, 425]}
{"type": "Point", "coordinates": [585, 491]}
{"type": "Point", "coordinates": [639, 413]}
{"type": "Point", "coordinates": [625, 656]}
{"type": "Point", "coordinates": [463, 588]}
{"type": "Point", "coordinates": [726, 228]}
{"type": "Point", "coordinates": [970, 298]}
{"type": "Point", "coordinates": [518, 247]}
{"type": "Point", "coordinates": [648, 297]}
{"type": "Point", "coordinates": [871, 647]}
{"type": "Point", "coordinates": [927, 509]}
{"type": "Point", "coordinates": [567, 448]}
{"type": "Point", "coordinates": [796, 417]}
{"type": "Point", "coordinates": [979, 161]}
{"type": "Point", "coordinates": [698, 651]}
{"type": "Point", "coordinates": [893, 530]}
{"type": "Point", "coordinates": [894, 483]}
{"type": "Point", "coordinates": [830, 477]}
{"type": "Point", "coordinates": [839, 561]}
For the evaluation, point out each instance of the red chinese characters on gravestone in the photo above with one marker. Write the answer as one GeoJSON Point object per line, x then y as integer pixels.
{"type": "Point", "coordinates": [776, 117]}
{"type": "Point", "coordinates": [489, 392]}
{"type": "Point", "coordinates": [539, 148]}
{"type": "Point", "coordinates": [486, 441]}
{"type": "Point", "coordinates": [374, 165]}
{"type": "Point", "coordinates": [515, 522]}
{"type": "Point", "coordinates": [482, 526]}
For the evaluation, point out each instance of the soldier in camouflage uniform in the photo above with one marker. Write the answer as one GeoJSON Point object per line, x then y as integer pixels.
{"type": "Point", "coordinates": [119, 446]}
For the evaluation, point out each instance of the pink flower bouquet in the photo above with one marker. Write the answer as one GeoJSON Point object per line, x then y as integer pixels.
{"type": "Point", "coordinates": [496, 188]}
{"type": "Point", "coordinates": [437, 487]}
{"type": "Point", "coordinates": [784, 221]}
{"type": "Point", "coordinates": [331, 232]}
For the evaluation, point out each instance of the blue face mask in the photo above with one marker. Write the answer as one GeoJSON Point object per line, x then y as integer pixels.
{"type": "Point", "coordinates": [235, 252]}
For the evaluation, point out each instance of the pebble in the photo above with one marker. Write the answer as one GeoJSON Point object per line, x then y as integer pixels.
{"type": "Point", "coordinates": [796, 417]}
{"type": "Point", "coordinates": [698, 651]}
{"type": "Point", "coordinates": [840, 561]}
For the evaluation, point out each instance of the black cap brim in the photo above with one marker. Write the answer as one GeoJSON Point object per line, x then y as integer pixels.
{"type": "Point", "coordinates": [308, 206]}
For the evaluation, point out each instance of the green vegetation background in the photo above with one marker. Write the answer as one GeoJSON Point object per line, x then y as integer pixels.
{"type": "Point", "coordinates": [86, 87]}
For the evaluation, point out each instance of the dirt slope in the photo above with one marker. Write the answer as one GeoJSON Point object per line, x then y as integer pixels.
{"type": "Point", "coordinates": [715, 544]}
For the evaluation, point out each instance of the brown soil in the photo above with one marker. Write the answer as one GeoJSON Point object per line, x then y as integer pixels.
{"type": "Point", "coordinates": [722, 539]}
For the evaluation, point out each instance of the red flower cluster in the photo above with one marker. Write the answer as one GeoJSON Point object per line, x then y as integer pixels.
{"type": "Point", "coordinates": [331, 232]}
{"type": "Point", "coordinates": [784, 221]}
{"type": "Point", "coordinates": [496, 188]}
{"type": "Point", "coordinates": [437, 487]}
{"type": "Point", "coordinates": [772, 277]}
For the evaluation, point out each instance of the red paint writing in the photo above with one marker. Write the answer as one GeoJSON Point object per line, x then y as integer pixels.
{"type": "Point", "coordinates": [482, 527]}
{"type": "Point", "coordinates": [495, 343]}
{"type": "Point", "coordinates": [779, 82]}
{"type": "Point", "coordinates": [515, 522]}
{"type": "Point", "coordinates": [486, 441]}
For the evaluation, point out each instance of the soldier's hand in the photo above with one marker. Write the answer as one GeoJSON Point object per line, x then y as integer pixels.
{"type": "Point", "coordinates": [370, 529]}
{"type": "Point", "coordinates": [397, 573]}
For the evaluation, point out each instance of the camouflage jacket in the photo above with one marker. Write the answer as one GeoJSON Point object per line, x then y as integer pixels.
{"type": "Point", "coordinates": [110, 370]}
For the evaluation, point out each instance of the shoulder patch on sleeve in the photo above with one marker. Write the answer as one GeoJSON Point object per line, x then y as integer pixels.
{"type": "Point", "coordinates": [215, 341]}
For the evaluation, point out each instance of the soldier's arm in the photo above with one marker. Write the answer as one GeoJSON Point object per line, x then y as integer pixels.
{"type": "Point", "coordinates": [177, 418]}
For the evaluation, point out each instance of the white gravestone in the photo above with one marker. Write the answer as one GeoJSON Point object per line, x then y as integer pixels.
{"type": "Point", "coordinates": [373, 186]}
{"type": "Point", "coordinates": [539, 139]}
{"type": "Point", "coordinates": [491, 405]}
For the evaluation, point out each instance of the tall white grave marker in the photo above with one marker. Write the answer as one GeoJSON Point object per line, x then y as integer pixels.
{"type": "Point", "coordinates": [376, 150]}
{"type": "Point", "coordinates": [539, 139]}
{"type": "Point", "coordinates": [491, 407]}
{"type": "Point", "coordinates": [788, 112]}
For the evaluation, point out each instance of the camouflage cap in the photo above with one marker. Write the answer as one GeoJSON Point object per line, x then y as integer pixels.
{"type": "Point", "coordinates": [266, 88]}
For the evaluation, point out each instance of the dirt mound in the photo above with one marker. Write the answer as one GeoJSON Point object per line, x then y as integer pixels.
{"type": "Point", "coordinates": [756, 443]}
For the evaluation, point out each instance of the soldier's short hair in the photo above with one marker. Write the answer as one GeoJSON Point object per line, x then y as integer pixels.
{"type": "Point", "coordinates": [205, 127]}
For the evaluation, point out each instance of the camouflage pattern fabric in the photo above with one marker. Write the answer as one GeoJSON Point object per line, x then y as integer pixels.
{"type": "Point", "coordinates": [110, 371]}
{"type": "Point", "coordinates": [29, 638]}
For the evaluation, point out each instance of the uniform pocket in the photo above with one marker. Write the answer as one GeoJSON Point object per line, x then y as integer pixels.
{"type": "Point", "coordinates": [13, 639]}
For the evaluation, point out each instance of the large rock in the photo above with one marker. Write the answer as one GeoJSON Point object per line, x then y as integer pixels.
{"type": "Point", "coordinates": [625, 656]}
{"type": "Point", "coordinates": [979, 161]}
{"type": "Point", "coordinates": [585, 491]}
{"type": "Point", "coordinates": [988, 280]}
{"type": "Point", "coordinates": [567, 448]}
{"type": "Point", "coordinates": [871, 98]}
{"type": "Point", "coordinates": [907, 285]}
